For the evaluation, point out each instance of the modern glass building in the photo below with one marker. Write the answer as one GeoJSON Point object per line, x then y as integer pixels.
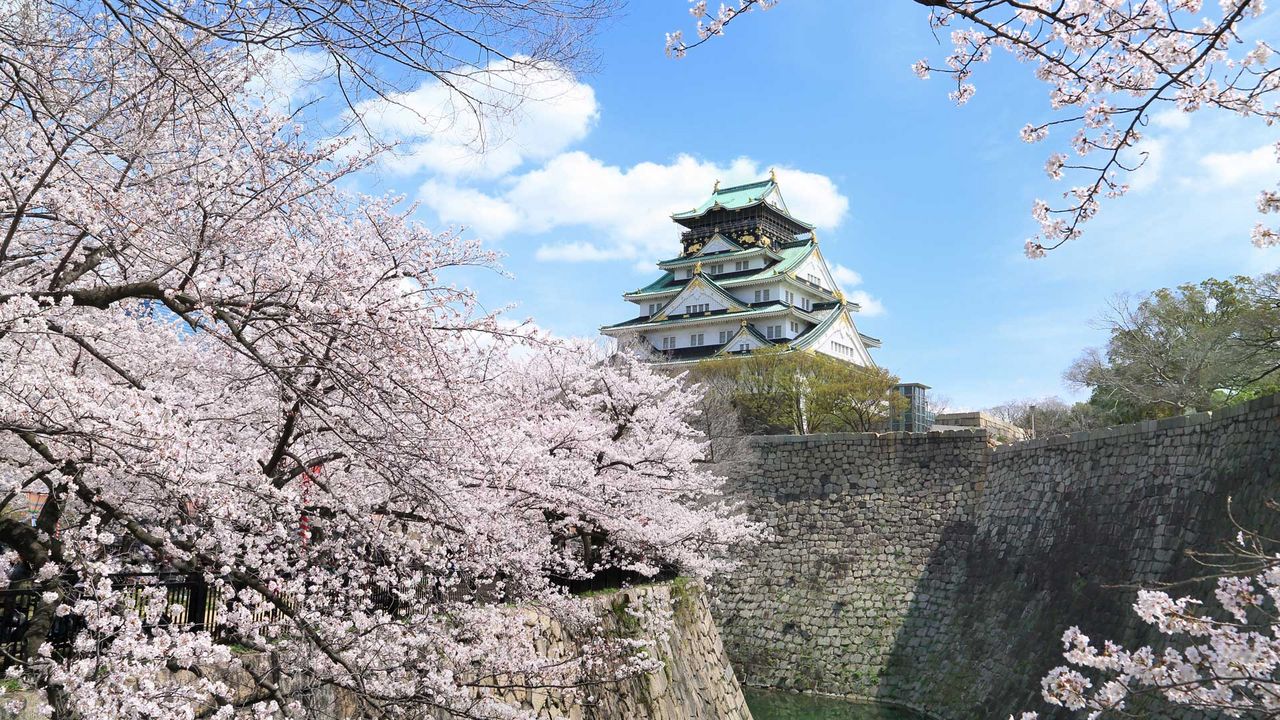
{"type": "Point", "coordinates": [917, 417]}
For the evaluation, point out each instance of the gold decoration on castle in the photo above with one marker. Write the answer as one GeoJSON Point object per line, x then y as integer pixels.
{"type": "Point", "coordinates": [697, 268]}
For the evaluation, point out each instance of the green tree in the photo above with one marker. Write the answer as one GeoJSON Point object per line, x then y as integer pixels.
{"type": "Point", "coordinates": [775, 391]}
{"type": "Point", "coordinates": [1177, 350]}
{"type": "Point", "coordinates": [855, 398]}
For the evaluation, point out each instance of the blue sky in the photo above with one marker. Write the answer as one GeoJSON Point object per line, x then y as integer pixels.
{"type": "Point", "coordinates": [924, 205]}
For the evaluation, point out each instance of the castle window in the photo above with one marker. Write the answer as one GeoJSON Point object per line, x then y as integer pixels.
{"type": "Point", "coordinates": [762, 296]}
{"type": "Point", "coordinates": [724, 336]}
{"type": "Point", "coordinates": [811, 277]}
{"type": "Point", "coordinates": [653, 308]}
{"type": "Point", "coordinates": [668, 343]}
{"type": "Point", "coordinates": [795, 328]}
{"type": "Point", "coordinates": [695, 340]}
{"type": "Point", "coordinates": [717, 269]}
{"type": "Point", "coordinates": [740, 265]}
{"type": "Point", "coordinates": [743, 347]}
{"type": "Point", "coordinates": [701, 307]}
{"type": "Point", "coordinates": [688, 273]}
{"type": "Point", "coordinates": [773, 332]}
{"type": "Point", "coordinates": [804, 302]}
{"type": "Point", "coordinates": [788, 297]}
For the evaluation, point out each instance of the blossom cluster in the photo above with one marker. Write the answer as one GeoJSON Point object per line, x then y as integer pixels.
{"type": "Point", "coordinates": [1227, 663]}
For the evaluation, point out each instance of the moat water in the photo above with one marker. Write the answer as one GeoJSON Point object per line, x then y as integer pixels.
{"type": "Point", "coordinates": [767, 705]}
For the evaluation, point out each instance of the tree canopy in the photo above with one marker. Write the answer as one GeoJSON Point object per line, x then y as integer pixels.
{"type": "Point", "coordinates": [1193, 347]}
{"type": "Point", "coordinates": [776, 391]}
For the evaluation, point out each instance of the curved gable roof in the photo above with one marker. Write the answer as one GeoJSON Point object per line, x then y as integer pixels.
{"type": "Point", "coordinates": [740, 197]}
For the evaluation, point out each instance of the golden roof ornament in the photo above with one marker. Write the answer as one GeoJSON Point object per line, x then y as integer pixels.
{"type": "Point", "coordinates": [716, 187]}
{"type": "Point", "coordinates": [840, 296]}
{"type": "Point", "coordinates": [744, 323]}
{"type": "Point", "coordinates": [697, 268]}
{"type": "Point", "coordinates": [773, 175]}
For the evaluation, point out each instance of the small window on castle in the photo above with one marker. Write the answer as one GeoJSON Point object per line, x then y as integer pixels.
{"type": "Point", "coordinates": [743, 347]}
{"type": "Point", "coordinates": [766, 295]}
{"type": "Point", "coordinates": [688, 273]}
{"type": "Point", "coordinates": [717, 269]}
{"type": "Point", "coordinates": [740, 265]}
{"type": "Point", "coordinates": [724, 336]}
{"type": "Point", "coordinates": [804, 302]}
{"type": "Point", "coordinates": [668, 343]}
{"type": "Point", "coordinates": [695, 340]}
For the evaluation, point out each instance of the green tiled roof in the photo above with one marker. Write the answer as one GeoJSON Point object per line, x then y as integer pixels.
{"type": "Point", "coordinates": [666, 282]}
{"type": "Point", "coordinates": [808, 337]}
{"type": "Point", "coordinates": [792, 256]}
{"type": "Point", "coordinates": [733, 198]}
{"type": "Point", "coordinates": [716, 257]}
{"type": "Point", "coordinates": [646, 320]}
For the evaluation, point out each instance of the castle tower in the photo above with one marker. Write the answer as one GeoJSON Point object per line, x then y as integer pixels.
{"type": "Point", "coordinates": [749, 276]}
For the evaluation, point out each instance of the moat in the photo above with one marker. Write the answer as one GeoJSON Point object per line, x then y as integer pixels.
{"type": "Point", "coordinates": [766, 705]}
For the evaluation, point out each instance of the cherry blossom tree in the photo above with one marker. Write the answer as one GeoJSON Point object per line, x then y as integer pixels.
{"type": "Point", "coordinates": [1226, 663]}
{"type": "Point", "coordinates": [1109, 64]}
{"type": "Point", "coordinates": [216, 363]}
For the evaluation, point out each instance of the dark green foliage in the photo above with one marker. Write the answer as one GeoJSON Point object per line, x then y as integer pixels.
{"type": "Point", "coordinates": [1190, 348]}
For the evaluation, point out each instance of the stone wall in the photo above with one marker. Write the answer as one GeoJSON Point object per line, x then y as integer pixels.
{"type": "Point", "coordinates": [696, 683]}
{"type": "Point", "coordinates": [933, 571]}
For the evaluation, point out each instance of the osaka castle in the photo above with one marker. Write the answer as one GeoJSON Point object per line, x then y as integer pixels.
{"type": "Point", "coordinates": [749, 276]}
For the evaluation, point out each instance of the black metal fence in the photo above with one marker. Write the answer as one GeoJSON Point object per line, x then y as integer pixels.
{"type": "Point", "coordinates": [200, 604]}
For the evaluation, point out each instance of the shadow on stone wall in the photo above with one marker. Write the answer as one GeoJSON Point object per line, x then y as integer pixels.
{"type": "Point", "coordinates": [1064, 534]}
{"type": "Point", "coordinates": [931, 571]}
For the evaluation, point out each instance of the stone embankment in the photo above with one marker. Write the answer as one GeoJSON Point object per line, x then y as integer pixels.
{"type": "Point", "coordinates": [934, 571]}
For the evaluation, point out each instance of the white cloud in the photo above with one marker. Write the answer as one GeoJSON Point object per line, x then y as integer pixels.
{"type": "Point", "coordinates": [1152, 169]}
{"type": "Point", "coordinates": [577, 252]}
{"type": "Point", "coordinates": [629, 208]}
{"type": "Point", "coordinates": [1171, 119]}
{"type": "Point", "coordinates": [846, 277]}
{"type": "Point", "coordinates": [290, 78]}
{"type": "Point", "coordinates": [483, 215]}
{"type": "Point", "coordinates": [1230, 168]}
{"type": "Point", "coordinates": [870, 307]}
{"type": "Point", "coordinates": [520, 114]}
